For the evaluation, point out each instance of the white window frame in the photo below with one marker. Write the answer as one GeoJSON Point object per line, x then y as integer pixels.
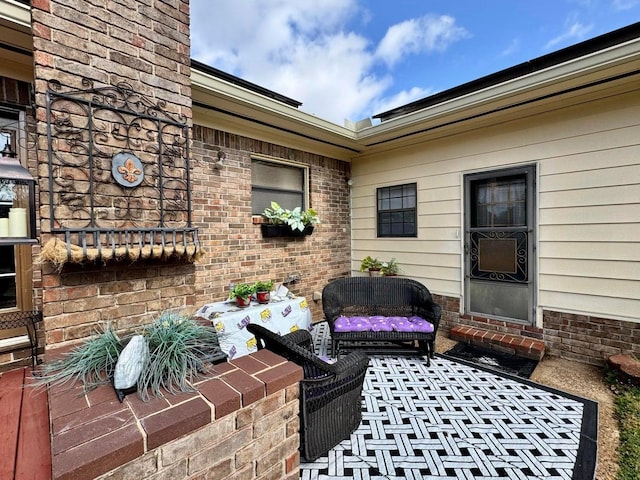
{"type": "Point", "coordinates": [289, 163]}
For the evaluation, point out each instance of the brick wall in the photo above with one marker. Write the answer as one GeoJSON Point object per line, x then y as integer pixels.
{"type": "Point", "coordinates": [589, 339]}
{"type": "Point", "coordinates": [145, 44]}
{"type": "Point", "coordinates": [241, 422]}
{"type": "Point", "coordinates": [235, 249]}
{"type": "Point", "coordinates": [80, 297]}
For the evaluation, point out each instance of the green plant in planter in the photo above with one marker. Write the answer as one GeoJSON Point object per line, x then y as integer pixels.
{"type": "Point", "coordinates": [390, 268]}
{"type": "Point", "coordinates": [179, 347]}
{"type": "Point", "coordinates": [263, 290]}
{"type": "Point", "coordinates": [90, 363]}
{"type": "Point", "coordinates": [243, 291]}
{"type": "Point", "coordinates": [263, 286]}
{"type": "Point", "coordinates": [296, 218]}
{"type": "Point", "coordinates": [369, 263]}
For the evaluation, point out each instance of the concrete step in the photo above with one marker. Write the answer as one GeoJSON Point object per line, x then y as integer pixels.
{"type": "Point", "coordinates": [501, 342]}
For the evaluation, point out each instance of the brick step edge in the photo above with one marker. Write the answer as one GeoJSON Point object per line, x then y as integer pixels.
{"type": "Point", "coordinates": [628, 366]}
{"type": "Point", "coordinates": [500, 342]}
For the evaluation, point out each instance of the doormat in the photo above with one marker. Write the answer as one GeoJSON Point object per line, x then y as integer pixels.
{"type": "Point", "coordinates": [503, 362]}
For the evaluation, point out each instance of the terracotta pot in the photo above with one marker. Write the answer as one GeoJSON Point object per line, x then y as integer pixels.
{"type": "Point", "coordinates": [263, 297]}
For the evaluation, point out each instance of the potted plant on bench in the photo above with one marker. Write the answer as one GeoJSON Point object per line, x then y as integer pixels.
{"type": "Point", "coordinates": [288, 223]}
{"type": "Point", "coordinates": [242, 292]}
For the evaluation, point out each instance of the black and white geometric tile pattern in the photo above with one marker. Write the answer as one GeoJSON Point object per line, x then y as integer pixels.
{"type": "Point", "coordinates": [453, 421]}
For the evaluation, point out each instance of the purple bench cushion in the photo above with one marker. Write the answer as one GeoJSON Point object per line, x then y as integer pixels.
{"type": "Point", "coordinates": [382, 324]}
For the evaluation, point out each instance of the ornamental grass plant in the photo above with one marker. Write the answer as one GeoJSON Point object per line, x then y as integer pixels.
{"type": "Point", "coordinates": [179, 348]}
{"type": "Point", "coordinates": [90, 363]}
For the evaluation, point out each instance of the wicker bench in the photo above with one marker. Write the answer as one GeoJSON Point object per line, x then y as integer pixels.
{"type": "Point", "coordinates": [375, 310]}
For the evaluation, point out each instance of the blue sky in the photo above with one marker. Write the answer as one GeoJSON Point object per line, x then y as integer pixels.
{"type": "Point", "coordinates": [352, 59]}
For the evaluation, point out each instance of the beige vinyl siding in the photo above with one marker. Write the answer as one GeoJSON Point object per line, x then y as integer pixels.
{"type": "Point", "coordinates": [589, 216]}
{"type": "Point", "coordinates": [434, 256]}
{"type": "Point", "coordinates": [588, 202]}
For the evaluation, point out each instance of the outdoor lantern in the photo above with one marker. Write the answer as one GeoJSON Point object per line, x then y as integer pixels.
{"type": "Point", "coordinates": [17, 200]}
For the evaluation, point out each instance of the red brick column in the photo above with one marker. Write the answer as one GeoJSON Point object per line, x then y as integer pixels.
{"type": "Point", "coordinates": [146, 45]}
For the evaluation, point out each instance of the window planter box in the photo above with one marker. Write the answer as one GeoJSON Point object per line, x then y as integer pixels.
{"type": "Point", "coordinates": [269, 230]}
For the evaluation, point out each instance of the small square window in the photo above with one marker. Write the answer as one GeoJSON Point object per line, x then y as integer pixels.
{"type": "Point", "coordinates": [397, 211]}
{"type": "Point", "coordinates": [280, 182]}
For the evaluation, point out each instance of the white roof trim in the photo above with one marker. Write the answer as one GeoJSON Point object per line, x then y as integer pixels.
{"type": "Point", "coordinates": [596, 66]}
{"type": "Point", "coordinates": [243, 95]}
{"type": "Point", "coordinates": [15, 12]}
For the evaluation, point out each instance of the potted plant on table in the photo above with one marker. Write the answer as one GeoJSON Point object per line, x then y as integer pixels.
{"type": "Point", "coordinates": [242, 292]}
{"type": "Point", "coordinates": [371, 265]}
{"type": "Point", "coordinates": [285, 222]}
{"type": "Point", "coordinates": [263, 290]}
{"type": "Point", "coordinates": [390, 268]}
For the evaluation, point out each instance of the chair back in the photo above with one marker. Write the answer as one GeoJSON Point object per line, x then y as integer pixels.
{"type": "Point", "coordinates": [312, 365]}
{"type": "Point", "coordinates": [387, 296]}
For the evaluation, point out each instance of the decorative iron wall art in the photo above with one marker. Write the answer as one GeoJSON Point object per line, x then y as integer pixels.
{"type": "Point", "coordinates": [119, 171]}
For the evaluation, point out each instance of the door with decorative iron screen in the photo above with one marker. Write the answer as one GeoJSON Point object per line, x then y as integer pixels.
{"type": "Point", "coordinates": [500, 244]}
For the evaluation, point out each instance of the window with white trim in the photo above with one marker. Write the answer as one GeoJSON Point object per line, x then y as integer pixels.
{"type": "Point", "coordinates": [278, 181]}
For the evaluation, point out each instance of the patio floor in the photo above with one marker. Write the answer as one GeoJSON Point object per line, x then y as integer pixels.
{"type": "Point", "coordinates": [455, 420]}
{"type": "Point", "coordinates": [25, 448]}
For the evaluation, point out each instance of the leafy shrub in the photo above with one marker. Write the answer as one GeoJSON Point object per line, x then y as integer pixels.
{"type": "Point", "coordinates": [296, 218]}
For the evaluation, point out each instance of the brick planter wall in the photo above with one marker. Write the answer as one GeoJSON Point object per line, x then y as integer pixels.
{"type": "Point", "coordinates": [242, 422]}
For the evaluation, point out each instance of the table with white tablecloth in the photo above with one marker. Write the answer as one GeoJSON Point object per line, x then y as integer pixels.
{"type": "Point", "coordinates": [230, 322]}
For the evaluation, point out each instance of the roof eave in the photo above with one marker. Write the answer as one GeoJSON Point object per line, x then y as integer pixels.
{"type": "Point", "coordinates": [593, 67]}
{"type": "Point", "coordinates": [210, 91]}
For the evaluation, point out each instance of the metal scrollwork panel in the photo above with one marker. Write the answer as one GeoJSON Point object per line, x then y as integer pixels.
{"type": "Point", "coordinates": [117, 160]}
{"type": "Point", "coordinates": [499, 256]}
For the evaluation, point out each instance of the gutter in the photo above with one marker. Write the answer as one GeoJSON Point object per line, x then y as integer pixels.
{"type": "Point", "coordinates": [15, 12]}
{"type": "Point", "coordinates": [573, 52]}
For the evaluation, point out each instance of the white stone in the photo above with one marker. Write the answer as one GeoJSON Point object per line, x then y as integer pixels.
{"type": "Point", "coordinates": [130, 363]}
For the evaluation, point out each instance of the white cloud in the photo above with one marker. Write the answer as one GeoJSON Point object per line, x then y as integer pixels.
{"type": "Point", "coordinates": [419, 35]}
{"type": "Point", "coordinates": [401, 98]}
{"type": "Point", "coordinates": [512, 48]}
{"type": "Point", "coordinates": [574, 32]}
{"type": "Point", "coordinates": [306, 51]}
{"type": "Point", "coordinates": [625, 4]}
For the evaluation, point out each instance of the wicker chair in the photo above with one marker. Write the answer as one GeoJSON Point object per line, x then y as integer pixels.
{"type": "Point", "coordinates": [330, 393]}
{"type": "Point", "coordinates": [384, 296]}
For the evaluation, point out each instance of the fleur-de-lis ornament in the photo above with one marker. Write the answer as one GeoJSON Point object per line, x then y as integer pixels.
{"type": "Point", "coordinates": [129, 171]}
